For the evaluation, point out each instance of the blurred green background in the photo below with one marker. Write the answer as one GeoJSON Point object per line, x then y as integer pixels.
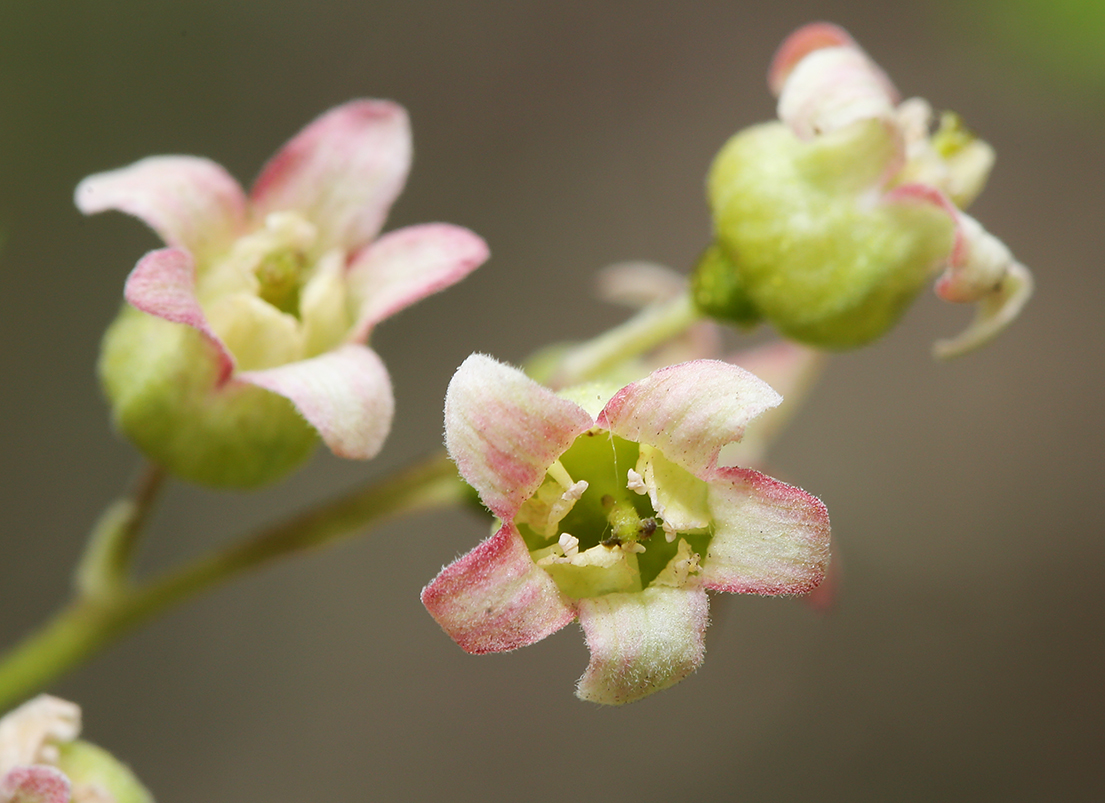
{"type": "Point", "coordinates": [966, 658]}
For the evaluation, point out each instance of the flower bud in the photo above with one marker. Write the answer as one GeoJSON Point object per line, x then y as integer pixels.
{"type": "Point", "coordinates": [829, 222]}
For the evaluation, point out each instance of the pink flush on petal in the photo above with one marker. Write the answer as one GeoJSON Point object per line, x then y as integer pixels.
{"type": "Point", "coordinates": [632, 557]}
{"type": "Point", "coordinates": [284, 287]}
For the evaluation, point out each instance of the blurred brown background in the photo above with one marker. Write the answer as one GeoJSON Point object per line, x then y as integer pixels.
{"type": "Point", "coordinates": [965, 661]}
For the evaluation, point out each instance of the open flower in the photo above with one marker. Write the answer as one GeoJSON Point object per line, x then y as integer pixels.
{"type": "Point", "coordinates": [614, 510]}
{"type": "Point", "coordinates": [829, 222]}
{"type": "Point", "coordinates": [42, 761]}
{"type": "Point", "coordinates": [247, 334]}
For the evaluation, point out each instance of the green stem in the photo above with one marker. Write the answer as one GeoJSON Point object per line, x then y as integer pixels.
{"type": "Point", "coordinates": [108, 557]}
{"type": "Point", "coordinates": [651, 327]}
{"type": "Point", "coordinates": [88, 624]}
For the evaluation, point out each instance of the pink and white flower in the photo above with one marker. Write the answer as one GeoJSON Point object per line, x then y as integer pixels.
{"type": "Point", "coordinates": [614, 510]}
{"type": "Point", "coordinates": [43, 761]}
{"type": "Point", "coordinates": [257, 313]}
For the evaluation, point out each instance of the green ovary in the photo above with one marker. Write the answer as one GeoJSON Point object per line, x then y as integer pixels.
{"type": "Point", "coordinates": [622, 545]}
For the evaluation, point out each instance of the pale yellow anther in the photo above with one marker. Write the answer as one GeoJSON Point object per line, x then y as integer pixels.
{"type": "Point", "coordinates": [570, 545]}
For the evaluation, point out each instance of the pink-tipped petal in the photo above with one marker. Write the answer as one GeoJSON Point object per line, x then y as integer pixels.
{"type": "Point", "coordinates": [642, 642]}
{"type": "Point", "coordinates": [190, 202]}
{"type": "Point", "coordinates": [405, 266]}
{"type": "Point", "coordinates": [689, 411]}
{"type": "Point", "coordinates": [979, 269]}
{"type": "Point", "coordinates": [833, 87]}
{"type": "Point", "coordinates": [805, 40]}
{"type": "Point", "coordinates": [496, 598]}
{"type": "Point", "coordinates": [823, 599]}
{"type": "Point", "coordinates": [37, 783]}
{"type": "Point", "coordinates": [345, 394]}
{"type": "Point", "coordinates": [342, 172]}
{"type": "Point", "coordinates": [503, 430]}
{"type": "Point", "coordinates": [163, 284]}
{"type": "Point", "coordinates": [993, 313]}
{"type": "Point", "coordinates": [769, 537]}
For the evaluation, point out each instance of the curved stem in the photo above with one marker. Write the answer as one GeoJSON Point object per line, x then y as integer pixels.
{"type": "Point", "coordinates": [108, 556]}
{"type": "Point", "coordinates": [90, 623]}
{"type": "Point", "coordinates": [651, 327]}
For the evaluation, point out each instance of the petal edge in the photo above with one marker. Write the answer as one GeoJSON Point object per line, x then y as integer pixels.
{"type": "Point", "coordinates": [495, 598]}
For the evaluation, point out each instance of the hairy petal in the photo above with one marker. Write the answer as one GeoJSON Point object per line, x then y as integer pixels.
{"type": "Point", "coordinates": [689, 411]}
{"type": "Point", "coordinates": [163, 284]}
{"type": "Point", "coordinates": [190, 202]}
{"type": "Point", "coordinates": [833, 87]}
{"type": "Point", "coordinates": [345, 394]}
{"type": "Point", "coordinates": [405, 266]}
{"type": "Point", "coordinates": [805, 40]}
{"type": "Point", "coordinates": [769, 537]}
{"type": "Point", "coordinates": [993, 313]}
{"type": "Point", "coordinates": [642, 642]}
{"type": "Point", "coordinates": [979, 269]}
{"type": "Point", "coordinates": [342, 172]}
{"type": "Point", "coordinates": [496, 598]}
{"type": "Point", "coordinates": [503, 430]}
{"type": "Point", "coordinates": [34, 784]}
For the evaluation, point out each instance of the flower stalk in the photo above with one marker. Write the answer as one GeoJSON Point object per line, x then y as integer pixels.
{"type": "Point", "coordinates": [107, 605]}
{"type": "Point", "coordinates": [652, 326]}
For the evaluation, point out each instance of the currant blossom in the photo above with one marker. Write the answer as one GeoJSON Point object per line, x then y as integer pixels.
{"type": "Point", "coordinates": [42, 761]}
{"type": "Point", "coordinates": [614, 510]}
{"type": "Point", "coordinates": [247, 335]}
{"type": "Point", "coordinates": [829, 222]}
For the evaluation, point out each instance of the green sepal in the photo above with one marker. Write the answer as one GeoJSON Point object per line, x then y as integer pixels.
{"type": "Point", "coordinates": [812, 242]}
{"type": "Point", "coordinates": [161, 381]}
{"type": "Point", "coordinates": [88, 765]}
{"type": "Point", "coordinates": [719, 291]}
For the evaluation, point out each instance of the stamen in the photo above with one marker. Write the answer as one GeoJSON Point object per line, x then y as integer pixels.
{"type": "Point", "coordinates": [570, 545]}
{"type": "Point", "coordinates": [560, 474]}
{"type": "Point", "coordinates": [636, 483]}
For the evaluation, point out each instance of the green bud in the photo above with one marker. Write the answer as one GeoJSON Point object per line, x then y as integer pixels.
{"type": "Point", "coordinates": [805, 238]}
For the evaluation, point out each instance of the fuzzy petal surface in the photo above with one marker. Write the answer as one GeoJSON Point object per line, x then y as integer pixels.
{"type": "Point", "coordinates": [163, 284]}
{"type": "Point", "coordinates": [769, 537]}
{"type": "Point", "coordinates": [641, 643]}
{"type": "Point", "coordinates": [496, 598]}
{"type": "Point", "coordinates": [345, 394]}
{"type": "Point", "coordinates": [34, 784]}
{"type": "Point", "coordinates": [689, 411]}
{"type": "Point", "coordinates": [805, 40]}
{"type": "Point", "coordinates": [503, 430]}
{"type": "Point", "coordinates": [190, 202]}
{"type": "Point", "coordinates": [405, 266]}
{"type": "Point", "coordinates": [342, 172]}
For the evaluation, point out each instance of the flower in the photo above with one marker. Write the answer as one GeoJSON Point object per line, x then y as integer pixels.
{"type": "Point", "coordinates": [614, 509]}
{"type": "Point", "coordinates": [42, 761]}
{"type": "Point", "coordinates": [829, 222]}
{"type": "Point", "coordinates": [247, 334]}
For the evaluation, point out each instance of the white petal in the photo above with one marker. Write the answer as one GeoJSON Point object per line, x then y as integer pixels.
{"type": "Point", "coordinates": [641, 642]}
{"type": "Point", "coordinates": [345, 394]}
{"type": "Point", "coordinates": [503, 430]}
{"type": "Point", "coordinates": [689, 411]}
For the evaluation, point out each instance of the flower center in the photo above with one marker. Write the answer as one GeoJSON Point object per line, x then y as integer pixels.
{"type": "Point", "coordinates": [594, 524]}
